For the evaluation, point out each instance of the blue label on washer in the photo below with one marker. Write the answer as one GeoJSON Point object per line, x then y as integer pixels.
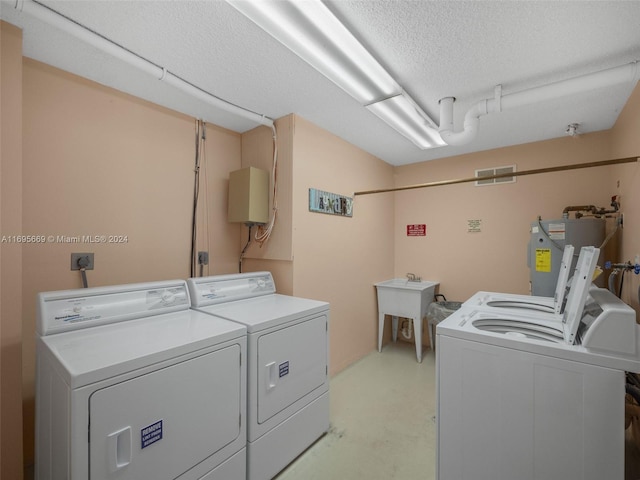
{"type": "Point", "coordinates": [151, 434]}
{"type": "Point", "coordinates": [283, 369]}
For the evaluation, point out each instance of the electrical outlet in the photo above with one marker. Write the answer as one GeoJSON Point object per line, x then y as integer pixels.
{"type": "Point", "coordinates": [79, 260]}
{"type": "Point", "coordinates": [203, 258]}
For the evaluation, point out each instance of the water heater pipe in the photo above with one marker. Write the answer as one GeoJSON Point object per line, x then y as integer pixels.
{"type": "Point", "coordinates": [53, 18]}
{"type": "Point", "coordinates": [604, 78]}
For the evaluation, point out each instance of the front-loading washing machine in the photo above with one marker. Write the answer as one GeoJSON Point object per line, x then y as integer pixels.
{"type": "Point", "coordinates": [133, 384]}
{"type": "Point", "coordinates": [528, 397]}
{"type": "Point", "coordinates": [288, 365]}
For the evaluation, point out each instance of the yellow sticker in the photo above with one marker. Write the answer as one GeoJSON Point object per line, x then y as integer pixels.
{"type": "Point", "coordinates": [543, 259]}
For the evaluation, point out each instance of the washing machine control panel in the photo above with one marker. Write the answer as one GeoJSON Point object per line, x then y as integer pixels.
{"type": "Point", "coordinates": [74, 309]}
{"type": "Point", "coordinates": [229, 288]}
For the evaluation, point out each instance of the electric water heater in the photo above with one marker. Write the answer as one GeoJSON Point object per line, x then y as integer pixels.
{"type": "Point", "coordinates": [548, 238]}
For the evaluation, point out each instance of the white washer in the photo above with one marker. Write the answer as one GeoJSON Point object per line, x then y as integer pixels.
{"type": "Point", "coordinates": [133, 384]}
{"type": "Point", "coordinates": [553, 304]}
{"type": "Point", "coordinates": [529, 397]}
{"type": "Point", "coordinates": [288, 367]}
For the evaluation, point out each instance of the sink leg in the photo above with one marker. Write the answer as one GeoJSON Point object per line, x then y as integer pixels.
{"type": "Point", "coordinates": [380, 330]}
{"type": "Point", "coordinates": [417, 330]}
{"type": "Point", "coordinates": [394, 328]}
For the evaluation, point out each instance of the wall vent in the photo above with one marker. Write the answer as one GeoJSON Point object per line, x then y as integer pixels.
{"type": "Point", "coordinates": [490, 172]}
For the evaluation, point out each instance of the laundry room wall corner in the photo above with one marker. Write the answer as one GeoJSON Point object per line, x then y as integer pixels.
{"type": "Point", "coordinates": [625, 178]}
{"type": "Point", "coordinates": [11, 328]}
{"type": "Point", "coordinates": [258, 151]}
{"type": "Point", "coordinates": [276, 254]}
{"type": "Point", "coordinates": [492, 256]}
{"type": "Point", "coordinates": [339, 259]}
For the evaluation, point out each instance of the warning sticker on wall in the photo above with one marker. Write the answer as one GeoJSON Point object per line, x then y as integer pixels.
{"type": "Point", "coordinates": [416, 230]}
{"type": "Point", "coordinates": [543, 259]}
{"type": "Point", "coordinates": [474, 226]}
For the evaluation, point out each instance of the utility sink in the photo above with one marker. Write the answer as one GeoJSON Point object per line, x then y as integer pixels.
{"type": "Point", "coordinates": [404, 298]}
{"type": "Point", "coordinates": [400, 297]}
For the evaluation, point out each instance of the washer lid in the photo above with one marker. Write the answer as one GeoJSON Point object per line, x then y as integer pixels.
{"type": "Point", "coordinates": [577, 297]}
{"type": "Point", "coordinates": [266, 311]}
{"type": "Point", "coordinates": [563, 278]}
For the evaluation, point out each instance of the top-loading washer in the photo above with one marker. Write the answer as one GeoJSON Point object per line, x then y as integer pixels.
{"type": "Point", "coordinates": [529, 397]}
{"type": "Point", "coordinates": [553, 304]}
{"type": "Point", "coordinates": [288, 376]}
{"type": "Point", "coordinates": [133, 384]}
{"type": "Point", "coordinates": [568, 312]}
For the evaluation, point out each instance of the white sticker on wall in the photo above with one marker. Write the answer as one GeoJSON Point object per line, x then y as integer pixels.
{"type": "Point", "coordinates": [474, 226]}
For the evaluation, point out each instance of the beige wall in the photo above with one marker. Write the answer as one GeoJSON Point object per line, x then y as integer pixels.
{"type": "Point", "coordinates": [625, 141]}
{"type": "Point", "coordinates": [11, 328]}
{"type": "Point", "coordinates": [338, 259]}
{"type": "Point", "coordinates": [99, 162]}
{"type": "Point", "coordinates": [257, 151]}
{"type": "Point", "coordinates": [325, 257]}
{"type": "Point", "coordinates": [276, 255]}
{"type": "Point", "coordinates": [495, 258]}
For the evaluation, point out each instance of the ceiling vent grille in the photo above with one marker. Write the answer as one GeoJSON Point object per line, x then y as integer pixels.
{"type": "Point", "coordinates": [487, 176]}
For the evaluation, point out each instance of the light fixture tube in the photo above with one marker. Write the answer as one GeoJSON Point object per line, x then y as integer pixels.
{"type": "Point", "coordinates": [401, 113]}
{"type": "Point", "coordinates": [311, 31]}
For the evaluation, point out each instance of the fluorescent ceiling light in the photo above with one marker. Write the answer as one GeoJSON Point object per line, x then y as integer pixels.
{"type": "Point", "coordinates": [402, 114]}
{"type": "Point", "coordinates": [310, 30]}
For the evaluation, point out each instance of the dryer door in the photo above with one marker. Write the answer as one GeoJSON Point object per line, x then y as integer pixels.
{"type": "Point", "coordinates": [292, 363]}
{"type": "Point", "coordinates": [161, 424]}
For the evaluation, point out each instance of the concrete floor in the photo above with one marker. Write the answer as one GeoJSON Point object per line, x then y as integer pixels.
{"type": "Point", "coordinates": [382, 421]}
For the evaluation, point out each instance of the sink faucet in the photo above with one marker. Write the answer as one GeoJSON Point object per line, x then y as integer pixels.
{"type": "Point", "coordinates": [412, 278]}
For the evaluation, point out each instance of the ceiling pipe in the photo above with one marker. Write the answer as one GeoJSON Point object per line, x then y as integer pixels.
{"type": "Point", "coordinates": [604, 78]}
{"type": "Point", "coordinates": [53, 18]}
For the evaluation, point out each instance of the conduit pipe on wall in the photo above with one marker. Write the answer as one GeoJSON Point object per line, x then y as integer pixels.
{"type": "Point", "coordinates": [536, 171]}
{"type": "Point", "coordinates": [604, 78]}
{"type": "Point", "coordinates": [51, 17]}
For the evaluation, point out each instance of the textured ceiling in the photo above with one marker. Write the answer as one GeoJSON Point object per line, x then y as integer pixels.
{"type": "Point", "coordinates": [432, 48]}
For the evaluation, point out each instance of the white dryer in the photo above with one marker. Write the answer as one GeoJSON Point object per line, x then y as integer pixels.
{"type": "Point", "coordinates": [531, 397]}
{"type": "Point", "coordinates": [133, 384]}
{"type": "Point", "coordinates": [288, 366]}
